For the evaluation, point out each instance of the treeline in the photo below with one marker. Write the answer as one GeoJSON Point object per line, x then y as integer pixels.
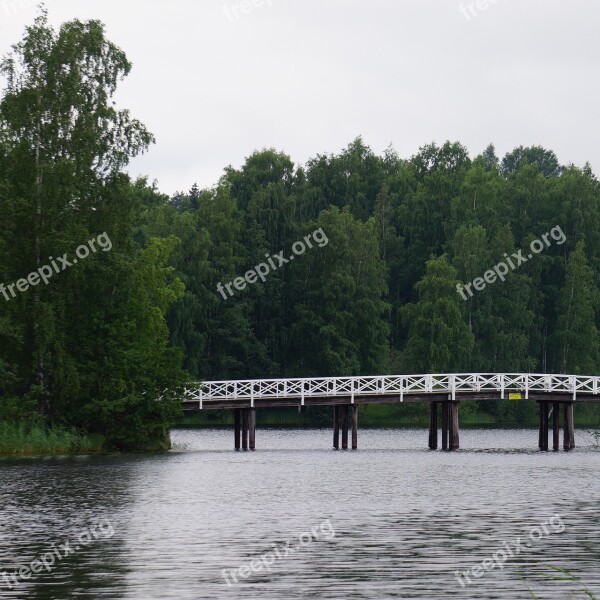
{"type": "Point", "coordinates": [107, 343]}
{"type": "Point", "coordinates": [382, 296]}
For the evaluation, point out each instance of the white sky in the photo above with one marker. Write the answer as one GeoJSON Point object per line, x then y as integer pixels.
{"type": "Point", "coordinates": [308, 76]}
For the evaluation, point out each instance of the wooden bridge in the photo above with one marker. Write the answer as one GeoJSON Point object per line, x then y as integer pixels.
{"type": "Point", "coordinates": [443, 393]}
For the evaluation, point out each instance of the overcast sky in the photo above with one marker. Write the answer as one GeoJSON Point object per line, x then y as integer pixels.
{"type": "Point", "coordinates": [214, 83]}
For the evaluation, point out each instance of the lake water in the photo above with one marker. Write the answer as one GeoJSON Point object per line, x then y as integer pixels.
{"type": "Point", "coordinates": [391, 520]}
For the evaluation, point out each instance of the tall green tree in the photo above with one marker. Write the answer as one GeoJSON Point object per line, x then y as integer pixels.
{"type": "Point", "coordinates": [577, 342]}
{"type": "Point", "coordinates": [64, 145]}
{"type": "Point", "coordinates": [338, 291]}
{"type": "Point", "coordinates": [543, 160]}
{"type": "Point", "coordinates": [439, 341]}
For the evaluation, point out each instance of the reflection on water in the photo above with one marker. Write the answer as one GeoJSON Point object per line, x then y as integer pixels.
{"type": "Point", "coordinates": [405, 519]}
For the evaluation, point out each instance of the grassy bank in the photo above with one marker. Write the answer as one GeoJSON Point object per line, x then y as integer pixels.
{"type": "Point", "coordinates": [19, 439]}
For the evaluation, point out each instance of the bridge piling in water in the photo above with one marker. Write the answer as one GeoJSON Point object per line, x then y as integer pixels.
{"type": "Point", "coordinates": [572, 425]}
{"type": "Point", "coordinates": [433, 427]}
{"type": "Point", "coordinates": [543, 426]}
{"type": "Point", "coordinates": [555, 426]}
{"type": "Point", "coordinates": [568, 425]}
{"type": "Point", "coordinates": [569, 434]}
{"type": "Point", "coordinates": [450, 425]}
{"type": "Point", "coordinates": [454, 428]}
{"type": "Point", "coordinates": [457, 434]}
{"type": "Point", "coordinates": [252, 427]}
{"type": "Point", "coordinates": [237, 427]}
{"type": "Point", "coordinates": [245, 427]}
{"type": "Point", "coordinates": [336, 427]}
{"type": "Point", "coordinates": [445, 414]}
{"type": "Point", "coordinates": [354, 427]}
{"type": "Point", "coordinates": [345, 414]}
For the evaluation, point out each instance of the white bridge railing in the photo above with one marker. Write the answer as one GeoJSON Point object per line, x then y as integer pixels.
{"type": "Point", "coordinates": [389, 385]}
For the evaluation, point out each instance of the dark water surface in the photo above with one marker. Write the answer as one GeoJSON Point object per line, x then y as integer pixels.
{"type": "Point", "coordinates": [391, 520]}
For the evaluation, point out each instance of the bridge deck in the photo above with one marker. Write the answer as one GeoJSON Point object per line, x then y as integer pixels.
{"type": "Point", "coordinates": [319, 391]}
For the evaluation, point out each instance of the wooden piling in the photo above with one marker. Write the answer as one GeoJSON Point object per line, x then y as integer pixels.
{"type": "Point", "coordinates": [433, 428]}
{"type": "Point", "coordinates": [546, 428]}
{"type": "Point", "coordinates": [454, 428]}
{"type": "Point", "coordinates": [252, 427]}
{"type": "Point", "coordinates": [569, 434]}
{"type": "Point", "coordinates": [445, 415]}
{"type": "Point", "coordinates": [345, 419]}
{"type": "Point", "coordinates": [542, 423]}
{"type": "Point", "coordinates": [336, 427]}
{"type": "Point", "coordinates": [450, 428]}
{"type": "Point", "coordinates": [543, 443]}
{"type": "Point", "coordinates": [245, 419]}
{"type": "Point", "coordinates": [555, 426]}
{"type": "Point", "coordinates": [572, 436]}
{"type": "Point", "coordinates": [354, 427]}
{"type": "Point", "coordinates": [237, 425]}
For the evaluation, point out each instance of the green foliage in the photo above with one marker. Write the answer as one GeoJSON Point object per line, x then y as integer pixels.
{"type": "Point", "coordinates": [339, 314]}
{"type": "Point", "coordinates": [91, 348]}
{"type": "Point", "coordinates": [439, 340]}
{"type": "Point", "coordinates": [576, 341]}
{"type": "Point", "coordinates": [544, 160]}
{"type": "Point", "coordinates": [107, 345]}
{"type": "Point", "coordinates": [17, 438]}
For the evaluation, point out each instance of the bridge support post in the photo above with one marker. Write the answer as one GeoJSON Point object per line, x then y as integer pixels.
{"type": "Point", "coordinates": [555, 426]}
{"type": "Point", "coordinates": [445, 414]}
{"type": "Point", "coordinates": [454, 429]}
{"type": "Point", "coordinates": [433, 427]}
{"type": "Point", "coordinates": [569, 436]}
{"type": "Point", "coordinates": [543, 426]}
{"type": "Point", "coordinates": [237, 425]}
{"type": "Point", "coordinates": [245, 419]}
{"type": "Point", "coordinates": [252, 427]}
{"type": "Point", "coordinates": [336, 427]}
{"type": "Point", "coordinates": [354, 427]}
{"type": "Point", "coordinates": [572, 424]}
{"type": "Point", "coordinates": [345, 414]}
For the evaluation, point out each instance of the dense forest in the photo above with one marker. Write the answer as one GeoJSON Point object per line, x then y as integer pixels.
{"type": "Point", "coordinates": [106, 336]}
